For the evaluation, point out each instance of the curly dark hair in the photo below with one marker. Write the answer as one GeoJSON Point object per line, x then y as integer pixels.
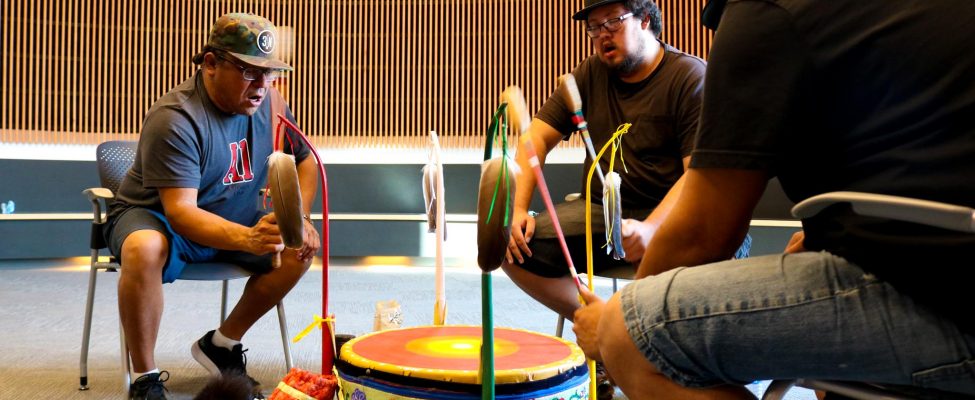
{"type": "Point", "coordinates": [643, 8]}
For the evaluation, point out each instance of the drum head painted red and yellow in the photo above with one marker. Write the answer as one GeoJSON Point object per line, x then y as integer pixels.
{"type": "Point", "coordinates": [452, 354]}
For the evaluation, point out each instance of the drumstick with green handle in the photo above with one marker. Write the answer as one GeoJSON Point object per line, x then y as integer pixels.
{"type": "Point", "coordinates": [494, 204]}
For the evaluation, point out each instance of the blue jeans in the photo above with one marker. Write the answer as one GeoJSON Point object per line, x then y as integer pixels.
{"type": "Point", "coordinates": [807, 315]}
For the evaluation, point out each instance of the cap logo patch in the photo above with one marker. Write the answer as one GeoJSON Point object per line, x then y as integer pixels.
{"type": "Point", "coordinates": [265, 41]}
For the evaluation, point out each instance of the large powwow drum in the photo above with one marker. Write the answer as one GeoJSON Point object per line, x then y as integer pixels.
{"type": "Point", "coordinates": [441, 362]}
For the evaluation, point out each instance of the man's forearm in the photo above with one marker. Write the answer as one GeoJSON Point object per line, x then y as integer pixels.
{"type": "Point", "coordinates": [208, 229]}
{"type": "Point", "coordinates": [659, 214]}
{"type": "Point", "coordinates": [525, 181]}
{"type": "Point", "coordinates": [708, 222]}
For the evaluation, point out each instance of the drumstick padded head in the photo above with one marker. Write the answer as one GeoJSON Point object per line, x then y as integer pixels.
{"type": "Point", "coordinates": [570, 92]}
{"type": "Point", "coordinates": [497, 187]}
{"type": "Point", "coordinates": [286, 196]}
{"type": "Point", "coordinates": [518, 117]}
{"type": "Point", "coordinates": [430, 177]}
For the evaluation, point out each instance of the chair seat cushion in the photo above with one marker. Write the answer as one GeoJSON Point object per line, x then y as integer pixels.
{"type": "Point", "coordinates": [213, 271]}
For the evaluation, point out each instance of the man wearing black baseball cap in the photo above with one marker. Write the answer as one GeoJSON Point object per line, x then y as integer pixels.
{"type": "Point", "coordinates": [632, 77]}
{"type": "Point", "coordinates": [192, 193]}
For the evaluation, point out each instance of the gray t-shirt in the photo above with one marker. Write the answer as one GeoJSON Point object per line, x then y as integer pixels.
{"type": "Point", "coordinates": [663, 109]}
{"type": "Point", "coordinates": [187, 142]}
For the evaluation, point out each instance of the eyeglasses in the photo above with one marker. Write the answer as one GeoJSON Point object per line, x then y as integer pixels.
{"type": "Point", "coordinates": [611, 25]}
{"type": "Point", "coordinates": [252, 73]}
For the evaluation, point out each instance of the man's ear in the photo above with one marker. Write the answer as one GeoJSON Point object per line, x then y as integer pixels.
{"type": "Point", "coordinates": [209, 62]}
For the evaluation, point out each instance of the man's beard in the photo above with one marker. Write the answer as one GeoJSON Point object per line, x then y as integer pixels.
{"type": "Point", "coordinates": [630, 62]}
{"type": "Point", "coordinates": [628, 65]}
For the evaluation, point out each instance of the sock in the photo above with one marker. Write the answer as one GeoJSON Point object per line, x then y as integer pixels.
{"type": "Point", "coordinates": [220, 340]}
{"type": "Point", "coordinates": [141, 374]}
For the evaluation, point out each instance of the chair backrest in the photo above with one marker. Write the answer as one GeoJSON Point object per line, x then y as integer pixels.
{"type": "Point", "coordinates": [941, 215]}
{"type": "Point", "coordinates": [114, 158]}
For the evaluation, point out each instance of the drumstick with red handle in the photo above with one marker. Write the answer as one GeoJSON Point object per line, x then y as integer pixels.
{"type": "Point", "coordinates": [518, 120]}
{"type": "Point", "coordinates": [547, 199]}
{"type": "Point", "coordinates": [328, 338]}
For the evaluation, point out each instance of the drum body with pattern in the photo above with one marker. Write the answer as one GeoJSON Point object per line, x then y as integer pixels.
{"type": "Point", "coordinates": [441, 362]}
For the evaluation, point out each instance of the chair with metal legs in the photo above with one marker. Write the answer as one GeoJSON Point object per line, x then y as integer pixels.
{"type": "Point", "coordinates": [114, 158]}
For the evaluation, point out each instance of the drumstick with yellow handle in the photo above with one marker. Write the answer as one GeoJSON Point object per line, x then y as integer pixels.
{"type": "Point", "coordinates": [589, 260]}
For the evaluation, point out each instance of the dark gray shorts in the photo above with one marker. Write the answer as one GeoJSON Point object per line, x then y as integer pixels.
{"type": "Point", "coordinates": [547, 259]}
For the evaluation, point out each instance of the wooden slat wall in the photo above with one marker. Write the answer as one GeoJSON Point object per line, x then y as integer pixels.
{"type": "Point", "coordinates": [367, 72]}
{"type": "Point", "coordinates": [682, 26]}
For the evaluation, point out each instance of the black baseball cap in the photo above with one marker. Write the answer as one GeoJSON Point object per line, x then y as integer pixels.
{"type": "Point", "coordinates": [590, 5]}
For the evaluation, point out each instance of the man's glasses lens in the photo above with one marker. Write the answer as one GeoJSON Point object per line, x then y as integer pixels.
{"type": "Point", "coordinates": [611, 25]}
{"type": "Point", "coordinates": [251, 73]}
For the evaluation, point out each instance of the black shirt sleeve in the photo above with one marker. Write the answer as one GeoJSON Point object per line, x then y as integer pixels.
{"type": "Point", "coordinates": [755, 77]}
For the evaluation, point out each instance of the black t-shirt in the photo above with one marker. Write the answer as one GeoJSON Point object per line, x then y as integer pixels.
{"type": "Point", "coordinates": [872, 96]}
{"type": "Point", "coordinates": [187, 142]}
{"type": "Point", "coordinates": [663, 109]}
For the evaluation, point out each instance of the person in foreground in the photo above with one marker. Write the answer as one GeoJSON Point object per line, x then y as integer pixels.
{"type": "Point", "coordinates": [870, 96]}
{"type": "Point", "coordinates": [192, 195]}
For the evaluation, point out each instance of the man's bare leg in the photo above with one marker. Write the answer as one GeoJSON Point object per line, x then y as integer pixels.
{"type": "Point", "coordinates": [262, 293]}
{"type": "Point", "coordinates": [140, 294]}
{"type": "Point", "coordinates": [558, 294]}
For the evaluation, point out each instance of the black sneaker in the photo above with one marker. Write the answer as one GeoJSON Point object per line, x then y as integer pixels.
{"type": "Point", "coordinates": [149, 387]}
{"type": "Point", "coordinates": [220, 361]}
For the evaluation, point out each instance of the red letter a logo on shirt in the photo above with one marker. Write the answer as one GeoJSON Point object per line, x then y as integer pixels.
{"type": "Point", "coordinates": [240, 164]}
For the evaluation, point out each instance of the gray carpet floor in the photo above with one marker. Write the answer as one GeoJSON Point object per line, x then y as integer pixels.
{"type": "Point", "coordinates": [42, 307]}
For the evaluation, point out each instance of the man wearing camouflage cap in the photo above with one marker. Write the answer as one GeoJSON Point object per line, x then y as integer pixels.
{"type": "Point", "coordinates": [192, 194]}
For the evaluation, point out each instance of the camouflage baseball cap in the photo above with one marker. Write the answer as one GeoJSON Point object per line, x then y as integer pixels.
{"type": "Point", "coordinates": [248, 37]}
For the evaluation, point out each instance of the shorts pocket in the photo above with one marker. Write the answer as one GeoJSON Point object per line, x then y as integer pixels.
{"type": "Point", "coordinates": [954, 377]}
